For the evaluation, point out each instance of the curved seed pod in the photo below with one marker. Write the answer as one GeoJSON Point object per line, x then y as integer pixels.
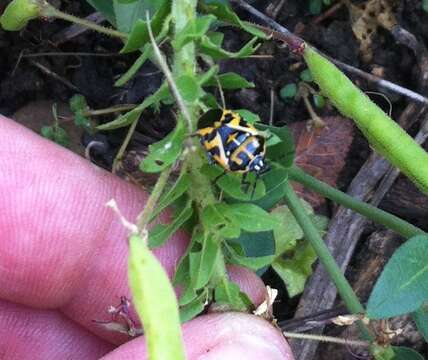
{"type": "Point", "coordinates": [384, 134]}
{"type": "Point", "coordinates": [18, 13]}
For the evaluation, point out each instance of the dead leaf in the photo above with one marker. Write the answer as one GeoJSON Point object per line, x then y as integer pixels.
{"type": "Point", "coordinates": [346, 320]}
{"type": "Point", "coordinates": [366, 19]}
{"type": "Point", "coordinates": [265, 308]}
{"type": "Point", "coordinates": [322, 152]}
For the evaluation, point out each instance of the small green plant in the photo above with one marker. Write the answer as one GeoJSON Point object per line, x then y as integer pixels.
{"type": "Point", "coordinates": [304, 90]}
{"type": "Point", "coordinates": [425, 5]}
{"type": "Point", "coordinates": [224, 221]}
{"type": "Point", "coordinates": [315, 6]}
{"type": "Point", "coordinates": [55, 132]}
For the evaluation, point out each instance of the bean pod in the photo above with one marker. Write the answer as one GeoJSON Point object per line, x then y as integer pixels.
{"type": "Point", "coordinates": [18, 13]}
{"type": "Point", "coordinates": [383, 134]}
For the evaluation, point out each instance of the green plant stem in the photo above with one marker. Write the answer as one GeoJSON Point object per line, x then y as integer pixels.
{"type": "Point", "coordinates": [379, 216]}
{"type": "Point", "coordinates": [113, 109]}
{"type": "Point", "coordinates": [144, 217]}
{"type": "Point", "coordinates": [327, 339]}
{"type": "Point", "coordinates": [49, 11]}
{"type": "Point", "coordinates": [124, 145]}
{"type": "Point", "coordinates": [312, 235]}
{"type": "Point", "coordinates": [169, 78]}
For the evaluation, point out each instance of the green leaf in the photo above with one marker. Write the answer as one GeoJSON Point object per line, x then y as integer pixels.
{"type": "Point", "coordinates": [165, 152]}
{"type": "Point", "coordinates": [189, 88]}
{"type": "Point", "coordinates": [127, 119]}
{"type": "Point", "coordinates": [382, 352]}
{"type": "Point", "coordinates": [188, 295]}
{"type": "Point", "coordinates": [405, 353]}
{"type": "Point", "coordinates": [403, 285]}
{"type": "Point", "coordinates": [231, 81]}
{"type": "Point", "coordinates": [139, 34]}
{"type": "Point", "coordinates": [425, 5]}
{"type": "Point", "coordinates": [128, 13]}
{"type": "Point", "coordinates": [295, 271]}
{"type": "Point", "coordinates": [207, 76]}
{"type": "Point", "coordinates": [230, 296]}
{"type": "Point", "coordinates": [161, 233]}
{"type": "Point", "coordinates": [231, 184]}
{"type": "Point", "coordinates": [194, 308]}
{"type": "Point", "coordinates": [47, 132]}
{"type": "Point", "coordinates": [225, 13]}
{"type": "Point", "coordinates": [420, 317]}
{"type": "Point", "coordinates": [193, 31]}
{"type": "Point", "coordinates": [78, 103]}
{"type": "Point", "coordinates": [168, 197]}
{"type": "Point", "coordinates": [216, 37]}
{"type": "Point", "coordinates": [153, 297]}
{"type": "Point", "coordinates": [181, 275]}
{"type": "Point", "coordinates": [315, 7]}
{"type": "Point", "coordinates": [284, 151]}
{"type": "Point", "coordinates": [248, 116]}
{"type": "Point", "coordinates": [251, 217]}
{"type": "Point", "coordinates": [253, 263]}
{"type": "Point", "coordinates": [306, 75]}
{"type": "Point", "coordinates": [274, 181]}
{"type": "Point", "coordinates": [81, 120]}
{"type": "Point", "coordinates": [319, 101]}
{"type": "Point", "coordinates": [288, 92]}
{"type": "Point", "coordinates": [214, 50]}
{"type": "Point", "coordinates": [217, 220]}
{"type": "Point", "coordinates": [144, 56]}
{"type": "Point", "coordinates": [288, 232]}
{"type": "Point", "coordinates": [202, 262]}
{"type": "Point", "coordinates": [210, 101]}
{"type": "Point", "coordinates": [105, 7]}
{"type": "Point", "coordinates": [252, 246]}
{"type": "Point", "coordinates": [56, 134]}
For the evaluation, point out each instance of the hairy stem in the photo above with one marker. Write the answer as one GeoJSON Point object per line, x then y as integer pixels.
{"type": "Point", "coordinates": [314, 238]}
{"type": "Point", "coordinates": [145, 215]}
{"type": "Point", "coordinates": [49, 11]}
{"type": "Point", "coordinates": [379, 216]}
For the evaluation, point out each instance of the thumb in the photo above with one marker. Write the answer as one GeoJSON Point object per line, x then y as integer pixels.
{"type": "Point", "coordinates": [220, 336]}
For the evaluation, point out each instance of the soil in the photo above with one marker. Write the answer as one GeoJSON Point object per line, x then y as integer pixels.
{"type": "Point", "coordinates": [22, 82]}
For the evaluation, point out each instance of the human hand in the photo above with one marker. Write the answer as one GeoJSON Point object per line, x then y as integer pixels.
{"type": "Point", "coordinates": [63, 262]}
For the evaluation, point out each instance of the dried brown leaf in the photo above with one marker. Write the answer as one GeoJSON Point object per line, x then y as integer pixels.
{"type": "Point", "coordinates": [365, 21]}
{"type": "Point", "coordinates": [322, 152]}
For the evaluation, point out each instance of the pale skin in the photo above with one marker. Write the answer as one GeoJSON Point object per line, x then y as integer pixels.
{"type": "Point", "coordinates": [63, 263]}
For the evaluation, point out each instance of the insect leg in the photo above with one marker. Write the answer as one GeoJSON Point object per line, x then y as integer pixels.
{"type": "Point", "coordinates": [254, 186]}
{"type": "Point", "coordinates": [219, 177]}
{"type": "Point", "coordinates": [245, 184]}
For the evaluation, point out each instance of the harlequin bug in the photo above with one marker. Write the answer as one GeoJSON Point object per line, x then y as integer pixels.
{"type": "Point", "coordinates": [232, 143]}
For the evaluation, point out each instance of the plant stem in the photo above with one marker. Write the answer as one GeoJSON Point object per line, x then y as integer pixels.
{"type": "Point", "coordinates": [169, 78]}
{"type": "Point", "coordinates": [329, 339]}
{"type": "Point", "coordinates": [144, 217]}
{"type": "Point", "coordinates": [379, 216]}
{"type": "Point", "coordinates": [112, 109]}
{"type": "Point", "coordinates": [312, 235]}
{"type": "Point", "coordinates": [49, 11]}
{"type": "Point", "coordinates": [124, 145]}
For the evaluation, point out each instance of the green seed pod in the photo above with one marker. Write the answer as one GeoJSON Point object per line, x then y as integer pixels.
{"type": "Point", "coordinates": [18, 13]}
{"type": "Point", "coordinates": [383, 134]}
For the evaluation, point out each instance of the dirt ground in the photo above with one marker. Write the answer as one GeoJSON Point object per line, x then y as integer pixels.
{"type": "Point", "coordinates": [30, 83]}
